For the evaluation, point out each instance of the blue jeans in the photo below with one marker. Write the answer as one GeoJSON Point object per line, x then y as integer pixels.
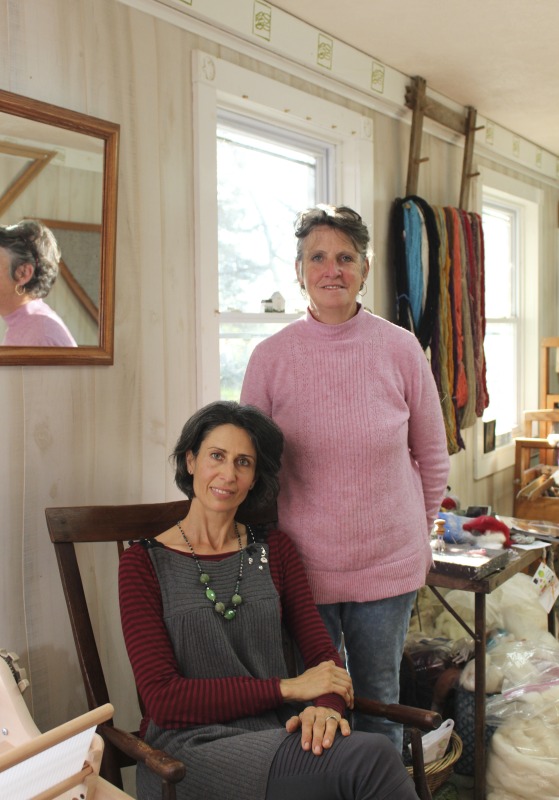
{"type": "Point", "coordinates": [373, 638]}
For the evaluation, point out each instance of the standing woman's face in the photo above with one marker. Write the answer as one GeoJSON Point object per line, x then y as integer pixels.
{"type": "Point", "coordinates": [332, 272]}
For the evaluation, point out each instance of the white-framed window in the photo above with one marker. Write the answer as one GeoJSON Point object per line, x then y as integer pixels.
{"type": "Point", "coordinates": [510, 213]}
{"type": "Point", "coordinates": [264, 151]}
{"type": "Point", "coordinates": [265, 175]}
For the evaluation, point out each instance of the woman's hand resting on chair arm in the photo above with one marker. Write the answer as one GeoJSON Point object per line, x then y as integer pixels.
{"type": "Point", "coordinates": [318, 723]}
{"type": "Point", "coordinates": [326, 678]}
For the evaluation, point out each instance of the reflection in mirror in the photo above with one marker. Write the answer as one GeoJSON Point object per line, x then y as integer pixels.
{"type": "Point", "coordinates": [60, 167]}
{"type": "Point", "coordinates": [75, 296]}
{"type": "Point", "coordinates": [29, 259]}
{"type": "Point", "coordinates": [553, 377]}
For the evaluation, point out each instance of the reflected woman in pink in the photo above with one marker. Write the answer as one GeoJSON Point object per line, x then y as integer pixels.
{"type": "Point", "coordinates": [29, 257]}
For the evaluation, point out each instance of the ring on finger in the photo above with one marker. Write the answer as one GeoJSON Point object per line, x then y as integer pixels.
{"type": "Point", "coordinates": [332, 716]}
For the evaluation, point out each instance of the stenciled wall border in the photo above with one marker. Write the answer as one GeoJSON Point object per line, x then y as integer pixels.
{"type": "Point", "coordinates": [282, 35]}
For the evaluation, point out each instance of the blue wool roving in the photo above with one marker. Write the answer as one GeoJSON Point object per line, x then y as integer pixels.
{"type": "Point", "coordinates": [453, 530]}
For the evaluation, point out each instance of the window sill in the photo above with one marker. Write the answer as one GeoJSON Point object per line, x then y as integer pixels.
{"type": "Point", "coordinates": [276, 317]}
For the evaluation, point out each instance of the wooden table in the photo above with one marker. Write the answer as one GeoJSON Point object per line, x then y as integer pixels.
{"type": "Point", "coordinates": [481, 588]}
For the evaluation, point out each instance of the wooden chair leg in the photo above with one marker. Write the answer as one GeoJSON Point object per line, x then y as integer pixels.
{"type": "Point", "coordinates": [168, 791]}
{"type": "Point", "coordinates": [419, 777]}
{"type": "Point", "coordinates": [110, 766]}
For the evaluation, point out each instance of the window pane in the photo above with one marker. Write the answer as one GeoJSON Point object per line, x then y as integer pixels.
{"type": "Point", "coordinates": [261, 187]}
{"type": "Point", "coordinates": [500, 354]}
{"type": "Point", "coordinates": [265, 176]}
{"type": "Point", "coordinates": [499, 229]}
{"type": "Point", "coordinates": [502, 268]}
{"type": "Point", "coordinates": [236, 343]}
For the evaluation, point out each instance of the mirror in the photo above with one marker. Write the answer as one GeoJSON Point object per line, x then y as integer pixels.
{"type": "Point", "coordinates": [61, 167]}
{"type": "Point", "coordinates": [549, 372]}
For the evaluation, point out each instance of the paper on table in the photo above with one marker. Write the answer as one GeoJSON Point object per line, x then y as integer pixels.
{"type": "Point", "coordinates": [548, 586]}
{"type": "Point", "coordinates": [537, 545]}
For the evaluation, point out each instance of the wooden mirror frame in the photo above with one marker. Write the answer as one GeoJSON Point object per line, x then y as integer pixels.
{"type": "Point", "coordinates": [549, 398]}
{"type": "Point", "coordinates": [109, 132]}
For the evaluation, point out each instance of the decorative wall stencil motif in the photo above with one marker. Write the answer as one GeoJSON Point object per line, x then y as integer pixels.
{"type": "Point", "coordinates": [377, 77]}
{"type": "Point", "coordinates": [207, 68]}
{"type": "Point", "coordinates": [367, 128]}
{"type": "Point", "coordinates": [325, 51]}
{"type": "Point", "coordinates": [295, 40]}
{"type": "Point", "coordinates": [489, 133]}
{"type": "Point", "coordinates": [262, 20]}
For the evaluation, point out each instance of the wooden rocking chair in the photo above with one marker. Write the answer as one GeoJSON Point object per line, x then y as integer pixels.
{"type": "Point", "coordinates": [73, 525]}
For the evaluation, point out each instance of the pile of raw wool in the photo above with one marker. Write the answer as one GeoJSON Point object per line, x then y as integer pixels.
{"type": "Point", "coordinates": [523, 759]}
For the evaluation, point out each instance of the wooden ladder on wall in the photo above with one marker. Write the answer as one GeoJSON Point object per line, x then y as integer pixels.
{"type": "Point", "coordinates": [423, 106]}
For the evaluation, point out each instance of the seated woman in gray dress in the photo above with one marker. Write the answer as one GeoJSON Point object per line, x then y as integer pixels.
{"type": "Point", "coordinates": [202, 608]}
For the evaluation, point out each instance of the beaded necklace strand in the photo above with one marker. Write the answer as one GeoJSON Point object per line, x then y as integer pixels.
{"type": "Point", "coordinates": [227, 612]}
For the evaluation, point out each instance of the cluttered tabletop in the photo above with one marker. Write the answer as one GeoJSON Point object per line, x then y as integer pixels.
{"type": "Point", "coordinates": [511, 645]}
{"type": "Point", "coordinates": [476, 550]}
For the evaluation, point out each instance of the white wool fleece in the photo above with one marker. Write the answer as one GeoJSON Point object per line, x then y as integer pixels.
{"type": "Point", "coordinates": [523, 758]}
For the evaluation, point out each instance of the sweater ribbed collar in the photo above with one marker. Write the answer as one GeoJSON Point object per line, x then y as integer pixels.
{"type": "Point", "coordinates": [343, 331]}
{"type": "Point", "coordinates": [25, 310]}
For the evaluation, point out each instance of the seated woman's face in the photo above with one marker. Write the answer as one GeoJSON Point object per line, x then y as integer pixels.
{"type": "Point", "coordinates": [224, 469]}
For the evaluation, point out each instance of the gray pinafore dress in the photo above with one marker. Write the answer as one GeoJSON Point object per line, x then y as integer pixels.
{"type": "Point", "coordinates": [225, 761]}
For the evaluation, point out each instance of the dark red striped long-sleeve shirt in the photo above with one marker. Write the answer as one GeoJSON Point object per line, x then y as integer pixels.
{"type": "Point", "coordinates": [173, 701]}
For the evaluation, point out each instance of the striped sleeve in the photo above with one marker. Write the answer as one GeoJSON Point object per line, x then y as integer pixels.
{"type": "Point", "coordinates": [300, 614]}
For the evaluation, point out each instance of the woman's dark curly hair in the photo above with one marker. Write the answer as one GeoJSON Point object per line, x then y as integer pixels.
{"type": "Point", "coordinates": [264, 434]}
{"type": "Point", "coordinates": [31, 242]}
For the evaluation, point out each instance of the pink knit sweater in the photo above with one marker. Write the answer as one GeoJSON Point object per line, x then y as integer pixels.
{"type": "Point", "coordinates": [365, 463]}
{"type": "Point", "coordinates": [35, 324]}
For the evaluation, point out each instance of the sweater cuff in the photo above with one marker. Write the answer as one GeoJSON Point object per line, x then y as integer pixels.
{"type": "Point", "coordinates": [331, 701]}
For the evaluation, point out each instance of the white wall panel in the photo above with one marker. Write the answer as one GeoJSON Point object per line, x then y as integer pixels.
{"type": "Point", "coordinates": [88, 435]}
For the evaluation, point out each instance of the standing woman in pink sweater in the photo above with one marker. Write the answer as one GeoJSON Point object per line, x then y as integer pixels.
{"type": "Point", "coordinates": [365, 463]}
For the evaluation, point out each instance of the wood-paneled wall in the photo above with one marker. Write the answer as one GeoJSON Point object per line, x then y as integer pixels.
{"type": "Point", "coordinates": [86, 435]}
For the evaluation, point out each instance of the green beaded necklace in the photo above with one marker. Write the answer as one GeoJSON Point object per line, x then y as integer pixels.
{"type": "Point", "coordinates": [229, 612]}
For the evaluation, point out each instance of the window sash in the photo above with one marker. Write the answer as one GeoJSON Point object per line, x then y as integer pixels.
{"type": "Point", "coordinates": [220, 86]}
{"type": "Point", "coordinates": [505, 193]}
{"type": "Point", "coordinates": [265, 175]}
{"type": "Point", "coordinates": [501, 227]}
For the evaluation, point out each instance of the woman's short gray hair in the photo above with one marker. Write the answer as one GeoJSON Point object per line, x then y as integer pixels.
{"type": "Point", "coordinates": [342, 218]}
{"type": "Point", "coordinates": [31, 242]}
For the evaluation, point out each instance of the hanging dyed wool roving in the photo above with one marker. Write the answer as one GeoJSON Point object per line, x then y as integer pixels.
{"type": "Point", "coordinates": [442, 345]}
{"type": "Point", "coordinates": [416, 253]}
{"type": "Point", "coordinates": [440, 286]}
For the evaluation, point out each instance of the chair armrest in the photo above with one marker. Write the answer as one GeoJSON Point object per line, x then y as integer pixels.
{"type": "Point", "coordinates": [168, 769]}
{"type": "Point", "coordinates": [420, 718]}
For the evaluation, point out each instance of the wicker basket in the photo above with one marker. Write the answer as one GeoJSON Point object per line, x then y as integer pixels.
{"type": "Point", "coordinates": [438, 772]}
